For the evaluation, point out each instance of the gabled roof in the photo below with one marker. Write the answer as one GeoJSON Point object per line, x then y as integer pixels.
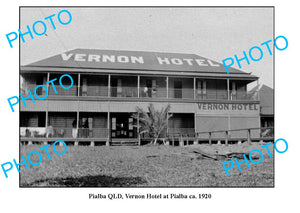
{"type": "Point", "coordinates": [134, 60]}
{"type": "Point", "coordinates": [266, 95]}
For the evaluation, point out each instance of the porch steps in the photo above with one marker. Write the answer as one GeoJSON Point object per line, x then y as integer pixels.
{"type": "Point", "coordinates": [124, 142]}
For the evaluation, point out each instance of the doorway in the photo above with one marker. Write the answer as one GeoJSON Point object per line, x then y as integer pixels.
{"type": "Point", "coordinates": [122, 125]}
{"type": "Point", "coordinates": [177, 89]}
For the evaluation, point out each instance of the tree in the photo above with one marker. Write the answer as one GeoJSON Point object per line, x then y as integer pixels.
{"type": "Point", "coordinates": [153, 122]}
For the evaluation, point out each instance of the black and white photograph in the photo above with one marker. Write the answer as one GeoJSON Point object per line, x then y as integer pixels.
{"type": "Point", "coordinates": [146, 96]}
{"type": "Point", "coordinates": [149, 106]}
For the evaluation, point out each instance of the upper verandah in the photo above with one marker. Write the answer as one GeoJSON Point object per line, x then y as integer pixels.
{"type": "Point", "coordinates": [138, 62]}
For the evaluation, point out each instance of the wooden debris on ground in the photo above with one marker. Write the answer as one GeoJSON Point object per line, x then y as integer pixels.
{"type": "Point", "coordinates": [199, 154]}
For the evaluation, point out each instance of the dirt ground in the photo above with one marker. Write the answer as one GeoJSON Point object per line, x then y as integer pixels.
{"type": "Point", "coordinates": [144, 166]}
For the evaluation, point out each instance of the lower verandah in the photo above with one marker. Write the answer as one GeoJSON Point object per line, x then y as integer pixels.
{"type": "Point", "coordinates": [114, 127]}
{"type": "Point", "coordinates": [94, 125]}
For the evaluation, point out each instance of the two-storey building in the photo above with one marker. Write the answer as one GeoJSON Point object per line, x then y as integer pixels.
{"type": "Point", "coordinates": [109, 84]}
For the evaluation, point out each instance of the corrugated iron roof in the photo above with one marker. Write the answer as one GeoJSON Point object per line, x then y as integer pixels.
{"type": "Point", "coordinates": [135, 60]}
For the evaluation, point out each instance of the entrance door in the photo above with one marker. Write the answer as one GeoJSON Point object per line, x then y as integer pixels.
{"type": "Point", "coordinates": [121, 126]}
{"type": "Point", "coordinates": [177, 89]}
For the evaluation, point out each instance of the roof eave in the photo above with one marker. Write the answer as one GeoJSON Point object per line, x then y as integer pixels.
{"type": "Point", "coordinates": [27, 69]}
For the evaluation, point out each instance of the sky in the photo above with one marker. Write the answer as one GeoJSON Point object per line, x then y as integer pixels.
{"type": "Point", "coordinates": [215, 33]}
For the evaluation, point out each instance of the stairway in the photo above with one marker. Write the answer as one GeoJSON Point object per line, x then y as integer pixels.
{"type": "Point", "coordinates": [124, 142]}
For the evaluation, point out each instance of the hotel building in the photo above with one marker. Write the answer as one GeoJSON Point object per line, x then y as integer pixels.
{"type": "Point", "coordinates": [108, 85]}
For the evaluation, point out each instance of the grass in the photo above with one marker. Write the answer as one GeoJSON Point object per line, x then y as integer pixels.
{"type": "Point", "coordinates": [145, 166]}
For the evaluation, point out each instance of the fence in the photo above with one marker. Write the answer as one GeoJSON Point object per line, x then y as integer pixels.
{"type": "Point", "coordinates": [247, 134]}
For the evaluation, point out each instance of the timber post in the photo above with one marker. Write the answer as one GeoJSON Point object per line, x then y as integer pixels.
{"type": "Point", "coordinates": [249, 136]}
{"type": "Point", "coordinates": [138, 129]}
{"type": "Point", "coordinates": [108, 124]}
{"type": "Point", "coordinates": [181, 142]}
{"type": "Point", "coordinates": [226, 139]}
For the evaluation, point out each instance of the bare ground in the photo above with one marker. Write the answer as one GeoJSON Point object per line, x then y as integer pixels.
{"type": "Point", "coordinates": [145, 166]}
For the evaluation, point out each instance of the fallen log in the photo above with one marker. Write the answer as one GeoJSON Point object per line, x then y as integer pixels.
{"type": "Point", "coordinates": [216, 156]}
{"type": "Point", "coordinates": [199, 154]}
{"type": "Point", "coordinates": [240, 155]}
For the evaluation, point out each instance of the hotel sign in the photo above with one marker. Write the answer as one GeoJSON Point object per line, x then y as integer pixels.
{"type": "Point", "coordinates": [124, 59]}
{"type": "Point", "coordinates": [222, 109]}
{"type": "Point", "coordinates": [228, 107]}
{"type": "Point", "coordinates": [132, 60]}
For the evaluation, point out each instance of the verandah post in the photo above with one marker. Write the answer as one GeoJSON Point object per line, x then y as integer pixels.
{"type": "Point", "coordinates": [248, 136]}
{"type": "Point", "coordinates": [228, 89]}
{"type": "Point", "coordinates": [108, 129]}
{"type": "Point", "coordinates": [76, 142]}
{"type": "Point", "coordinates": [47, 110]}
{"type": "Point", "coordinates": [138, 86]}
{"type": "Point", "coordinates": [138, 129]}
{"type": "Point", "coordinates": [108, 85]}
{"type": "Point", "coordinates": [167, 87]}
{"type": "Point", "coordinates": [194, 91]}
{"type": "Point", "coordinates": [77, 124]}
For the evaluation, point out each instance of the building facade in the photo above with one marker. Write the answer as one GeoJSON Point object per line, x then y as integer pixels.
{"type": "Point", "coordinates": [108, 85]}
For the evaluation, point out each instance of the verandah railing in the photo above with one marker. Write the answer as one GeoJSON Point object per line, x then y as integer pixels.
{"type": "Point", "coordinates": [173, 134]}
{"type": "Point", "coordinates": [61, 132]}
{"type": "Point", "coordinates": [158, 93]}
